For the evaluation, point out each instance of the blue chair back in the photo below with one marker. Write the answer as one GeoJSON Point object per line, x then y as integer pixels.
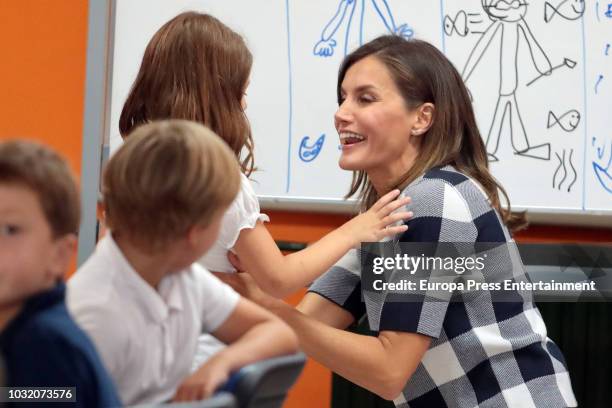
{"type": "Point", "coordinates": [265, 384]}
{"type": "Point", "coordinates": [219, 400]}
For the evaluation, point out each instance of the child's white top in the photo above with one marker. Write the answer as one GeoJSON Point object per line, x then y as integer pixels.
{"type": "Point", "coordinates": [146, 338]}
{"type": "Point", "coordinates": [243, 213]}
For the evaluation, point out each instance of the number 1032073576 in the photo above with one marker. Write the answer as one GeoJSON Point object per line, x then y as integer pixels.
{"type": "Point", "coordinates": [37, 394]}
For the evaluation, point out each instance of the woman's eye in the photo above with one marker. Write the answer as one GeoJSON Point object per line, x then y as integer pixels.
{"type": "Point", "coordinates": [366, 99]}
{"type": "Point", "coordinates": [7, 230]}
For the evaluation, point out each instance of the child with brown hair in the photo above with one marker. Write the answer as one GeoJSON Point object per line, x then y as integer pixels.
{"type": "Point", "coordinates": [39, 220]}
{"type": "Point", "coordinates": [140, 296]}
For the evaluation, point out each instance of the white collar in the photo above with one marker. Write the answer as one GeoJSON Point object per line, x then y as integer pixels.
{"type": "Point", "coordinates": [156, 305]}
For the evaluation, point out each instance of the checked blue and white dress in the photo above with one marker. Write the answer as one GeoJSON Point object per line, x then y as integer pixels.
{"type": "Point", "coordinates": [482, 353]}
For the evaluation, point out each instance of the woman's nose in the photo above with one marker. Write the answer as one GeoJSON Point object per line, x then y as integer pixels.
{"type": "Point", "coordinates": [342, 115]}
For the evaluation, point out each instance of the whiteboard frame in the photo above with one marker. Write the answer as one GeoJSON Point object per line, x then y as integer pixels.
{"type": "Point", "coordinates": [543, 216]}
{"type": "Point", "coordinates": [96, 134]}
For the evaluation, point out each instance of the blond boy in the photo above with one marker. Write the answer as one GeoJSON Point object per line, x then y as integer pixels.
{"type": "Point", "coordinates": [140, 296]}
{"type": "Point", "coordinates": [39, 219]}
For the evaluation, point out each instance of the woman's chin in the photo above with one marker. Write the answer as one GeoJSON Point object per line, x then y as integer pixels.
{"type": "Point", "coordinates": [348, 165]}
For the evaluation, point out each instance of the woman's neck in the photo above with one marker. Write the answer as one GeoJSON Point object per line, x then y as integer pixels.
{"type": "Point", "coordinates": [151, 266]}
{"type": "Point", "coordinates": [387, 177]}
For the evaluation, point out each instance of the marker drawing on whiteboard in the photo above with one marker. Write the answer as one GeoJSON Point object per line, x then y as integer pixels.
{"type": "Point", "coordinates": [568, 9]}
{"type": "Point", "coordinates": [601, 151]}
{"type": "Point", "coordinates": [598, 82]}
{"type": "Point", "coordinates": [307, 152]}
{"type": "Point", "coordinates": [566, 63]}
{"type": "Point", "coordinates": [509, 17]}
{"type": "Point", "coordinates": [344, 16]}
{"type": "Point", "coordinates": [607, 52]}
{"type": "Point", "coordinates": [563, 164]}
{"type": "Point", "coordinates": [461, 23]}
{"type": "Point", "coordinates": [568, 121]}
{"type": "Point", "coordinates": [604, 173]}
{"type": "Point", "coordinates": [608, 12]}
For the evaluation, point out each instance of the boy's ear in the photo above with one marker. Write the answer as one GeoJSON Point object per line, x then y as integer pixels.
{"type": "Point", "coordinates": [65, 248]}
{"type": "Point", "coordinates": [425, 118]}
{"type": "Point", "coordinates": [194, 236]}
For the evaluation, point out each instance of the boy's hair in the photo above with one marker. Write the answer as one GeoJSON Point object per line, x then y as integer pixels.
{"type": "Point", "coordinates": [46, 173]}
{"type": "Point", "coordinates": [167, 177]}
{"type": "Point", "coordinates": [195, 68]}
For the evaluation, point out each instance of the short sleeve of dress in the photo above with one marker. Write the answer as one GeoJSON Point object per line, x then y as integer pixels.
{"type": "Point", "coordinates": [342, 284]}
{"type": "Point", "coordinates": [441, 214]}
{"type": "Point", "coordinates": [243, 213]}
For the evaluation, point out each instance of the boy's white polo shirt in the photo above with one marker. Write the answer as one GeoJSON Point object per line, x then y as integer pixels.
{"type": "Point", "coordinates": [146, 338]}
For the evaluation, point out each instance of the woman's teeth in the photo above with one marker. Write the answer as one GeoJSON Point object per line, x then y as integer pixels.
{"type": "Point", "coordinates": [347, 138]}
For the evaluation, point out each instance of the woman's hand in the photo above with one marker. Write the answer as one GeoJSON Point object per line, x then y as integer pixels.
{"type": "Point", "coordinates": [244, 284]}
{"type": "Point", "coordinates": [378, 222]}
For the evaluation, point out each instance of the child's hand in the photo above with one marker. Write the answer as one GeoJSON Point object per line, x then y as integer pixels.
{"type": "Point", "coordinates": [203, 383]}
{"type": "Point", "coordinates": [377, 223]}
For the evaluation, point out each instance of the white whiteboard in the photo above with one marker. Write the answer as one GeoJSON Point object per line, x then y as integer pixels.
{"type": "Point", "coordinates": [291, 99]}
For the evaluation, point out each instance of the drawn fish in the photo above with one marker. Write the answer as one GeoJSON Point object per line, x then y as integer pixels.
{"type": "Point", "coordinates": [308, 152]}
{"type": "Point", "coordinates": [458, 25]}
{"type": "Point", "coordinates": [567, 9]}
{"type": "Point", "coordinates": [569, 121]}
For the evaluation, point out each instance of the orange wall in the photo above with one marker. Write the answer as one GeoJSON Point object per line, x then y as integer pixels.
{"type": "Point", "coordinates": [42, 74]}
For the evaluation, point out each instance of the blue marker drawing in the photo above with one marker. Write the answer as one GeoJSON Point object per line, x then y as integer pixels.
{"type": "Point", "coordinates": [326, 44]}
{"type": "Point", "coordinates": [608, 12]}
{"type": "Point", "coordinates": [604, 174]}
{"type": "Point", "coordinates": [597, 10]}
{"type": "Point", "coordinates": [598, 82]}
{"type": "Point", "coordinates": [601, 151]}
{"type": "Point", "coordinates": [607, 49]}
{"type": "Point", "coordinates": [307, 152]}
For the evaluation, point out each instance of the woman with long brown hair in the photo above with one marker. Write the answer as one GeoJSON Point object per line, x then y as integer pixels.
{"type": "Point", "coordinates": [197, 68]}
{"type": "Point", "coordinates": [405, 121]}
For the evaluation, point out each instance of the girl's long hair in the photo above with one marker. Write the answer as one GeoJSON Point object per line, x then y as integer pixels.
{"type": "Point", "coordinates": [194, 68]}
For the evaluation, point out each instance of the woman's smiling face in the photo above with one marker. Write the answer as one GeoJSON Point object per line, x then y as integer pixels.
{"type": "Point", "coordinates": [374, 123]}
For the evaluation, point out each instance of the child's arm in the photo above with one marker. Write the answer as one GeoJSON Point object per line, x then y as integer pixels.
{"type": "Point", "coordinates": [253, 334]}
{"type": "Point", "coordinates": [280, 275]}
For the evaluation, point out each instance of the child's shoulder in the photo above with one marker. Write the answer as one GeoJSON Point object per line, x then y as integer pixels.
{"type": "Point", "coordinates": [99, 278]}
{"type": "Point", "coordinates": [45, 324]}
{"type": "Point", "coordinates": [47, 348]}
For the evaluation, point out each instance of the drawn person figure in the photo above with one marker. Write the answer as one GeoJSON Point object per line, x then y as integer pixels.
{"type": "Point", "coordinates": [325, 46]}
{"type": "Point", "coordinates": [509, 22]}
